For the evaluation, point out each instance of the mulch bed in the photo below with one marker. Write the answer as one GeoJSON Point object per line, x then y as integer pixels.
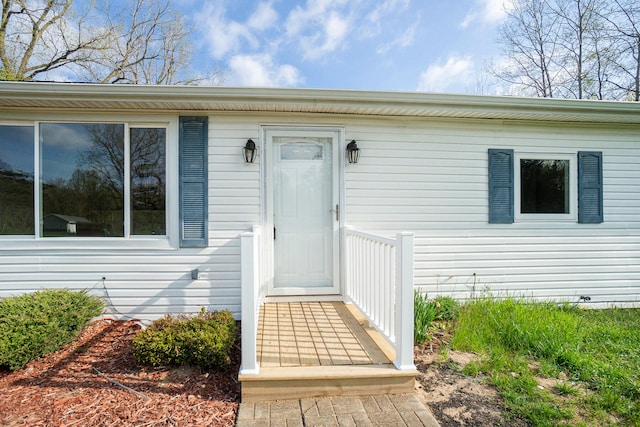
{"type": "Point", "coordinates": [84, 385]}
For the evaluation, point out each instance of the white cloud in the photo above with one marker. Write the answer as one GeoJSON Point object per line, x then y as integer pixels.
{"type": "Point", "coordinates": [385, 21]}
{"type": "Point", "coordinates": [226, 36]}
{"type": "Point", "coordinates": [263, 18]}
{"type": "Point", "coordinates": [261, 70]}
{"type": "Point", "coordinates": [335, 30]}
{"type": "Point", "coordinates": [221, 35]}
{"type": "Point", "coordinates": [320, 27]}
{"type": "Point", "coordinates": [487, 11]}
{"type": "Point", "coordinates": [456, 72]}
{"type": "Point", "coordinates": [403, 40]}
{"type": "Point", "coordinates": [385, 8]}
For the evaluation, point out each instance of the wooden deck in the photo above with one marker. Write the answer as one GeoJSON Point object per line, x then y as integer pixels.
{"type": "Point", "coordinates": [311, 349]}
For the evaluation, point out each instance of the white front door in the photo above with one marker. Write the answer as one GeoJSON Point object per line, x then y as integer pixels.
{"type": "Point", "coordinates": [303, 208]}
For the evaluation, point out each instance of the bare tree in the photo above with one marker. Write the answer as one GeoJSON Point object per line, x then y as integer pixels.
{"type": "Point", "coordinates": [529, 39]}
{"type": "Point", "coordinates": [125, 41]}
{"type": "Point", "coordinates": [624, 19]}
{"type": "Point", "coordinates": [147, 43]}
{"type": "Point", "coordinates": [572, 48]}
{"type": "Point", "coordinates": [577, 21]}
{"type": "Point", "coordinates": [602, 56]}
{"type": "Point", "coordinates": [36, 38]}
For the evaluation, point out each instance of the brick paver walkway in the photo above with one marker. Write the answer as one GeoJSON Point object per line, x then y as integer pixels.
{"type": "Point", "coordinates": [392, 410]}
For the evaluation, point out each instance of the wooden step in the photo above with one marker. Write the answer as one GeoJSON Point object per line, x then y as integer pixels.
{"type": "Point", "coordinates": [319, 381]}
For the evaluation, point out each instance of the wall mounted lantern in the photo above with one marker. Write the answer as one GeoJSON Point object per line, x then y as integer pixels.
{"type": "Point", "coordinates": [353, 152]}
{"type": "Point", "coordinates": [249, 151]}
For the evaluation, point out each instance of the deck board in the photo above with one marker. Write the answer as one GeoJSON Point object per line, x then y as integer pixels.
{"type": "Point", "coordinates": [313, 334]}
{"type": "Point", "coordinates": [314, 349]}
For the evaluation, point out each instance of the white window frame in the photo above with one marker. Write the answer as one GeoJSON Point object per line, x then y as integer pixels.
{"type": "Point", "coordinates": [129, 241]}
{"type": "Point", "coordinates": [572, 216]}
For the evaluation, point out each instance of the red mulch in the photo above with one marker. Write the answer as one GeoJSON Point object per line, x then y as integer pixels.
{"type": "Point", "coordinates": [63, 388]}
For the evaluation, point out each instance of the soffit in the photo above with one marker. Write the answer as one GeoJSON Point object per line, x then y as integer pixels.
{"type": "Point", "coordinates": [195, 99]}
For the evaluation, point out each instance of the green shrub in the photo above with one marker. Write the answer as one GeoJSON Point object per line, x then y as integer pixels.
{"type": "Point", "coordinates": [202, 340]}
{"type": "Point", "coordinates": [36, 324]}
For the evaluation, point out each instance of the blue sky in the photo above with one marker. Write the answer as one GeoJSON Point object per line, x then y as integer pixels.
{"type": "Point", "coordinates": [405, 45]}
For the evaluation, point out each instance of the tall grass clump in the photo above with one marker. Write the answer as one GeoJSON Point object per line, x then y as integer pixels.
{"type": "Point", "coordinates": [596, 347]}
{"type": "Point", "coordinates": [39, 323]}
{"type": "Point", "coordinates": [426, 311]}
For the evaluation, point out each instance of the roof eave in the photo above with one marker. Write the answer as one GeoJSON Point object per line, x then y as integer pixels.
{"type": "Point", "coordinates": [73, 96]}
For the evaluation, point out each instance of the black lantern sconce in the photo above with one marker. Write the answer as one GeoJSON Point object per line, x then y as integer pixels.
{"type": "Point", "coordinates": [249, 151]}
{"type": "Point", "coordinates": [353, 152]}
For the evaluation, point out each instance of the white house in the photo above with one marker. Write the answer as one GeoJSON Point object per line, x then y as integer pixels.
{"type": "Point", "coordinates": [532, 197]}
{"type": "Point", "coordinates": [513, 196]}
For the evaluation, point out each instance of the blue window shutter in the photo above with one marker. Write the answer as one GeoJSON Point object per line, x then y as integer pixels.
{"type": "Point", "coordinates": [193, 181]}
{"type": "Point", "coordinates": [501, 186]}
{"type": "Point", "coordinates": [590, 203]}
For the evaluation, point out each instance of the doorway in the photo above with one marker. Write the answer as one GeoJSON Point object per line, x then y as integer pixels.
{"type": "Point", "coordinates": [303, 210]}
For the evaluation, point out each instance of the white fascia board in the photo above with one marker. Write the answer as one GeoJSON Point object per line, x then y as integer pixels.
{"type": "Point", "coordinates": [330, 101]}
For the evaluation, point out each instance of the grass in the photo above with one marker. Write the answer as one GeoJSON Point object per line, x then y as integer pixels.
{"type": "Point", "coordinates": [593, 355]}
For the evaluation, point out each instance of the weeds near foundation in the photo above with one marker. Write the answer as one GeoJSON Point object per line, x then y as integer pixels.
{"type": "Point", "coordinates": [429, 313]}
{"type": "Point", "coordinates": [587, 359]}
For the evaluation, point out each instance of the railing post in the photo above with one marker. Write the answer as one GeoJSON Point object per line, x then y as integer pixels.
{"type": "Point", "coordinates": [258, 269]}
{"type": "Point", "coordinates": [347, 278]}
{"type": "Point", "coordinates": [248, 281]}
{"type": "Point", "coordinates": [404, 302]}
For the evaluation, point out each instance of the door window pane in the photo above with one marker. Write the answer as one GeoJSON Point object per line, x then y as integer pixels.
{"type": "Point", "coordinates": [544, 186]}
{"type": "Point", "coordinates": [16, 180]}
{"type": "Point", "coordinates": [148, 181]}
{"type": "Point", "coordinates": [301, 151]}
{"type": "Point", "coordinates": [82, 172]}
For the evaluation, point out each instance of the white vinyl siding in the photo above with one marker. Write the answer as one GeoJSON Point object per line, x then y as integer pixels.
{"type": "Point", "coordinates": [430, 177]}
{"type": "Point", "coordinates": [426, 176]}
{"type": "Point", "coordinates": [140, 284]}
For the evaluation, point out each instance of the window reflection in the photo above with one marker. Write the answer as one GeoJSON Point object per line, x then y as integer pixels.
{"type": "Point", "coordinates": [82, 172]}
{"type": "Point", "coordinates": [544, 186]}
{"type": "Point", "coordinates": [148, 181]}
{"type": "Point", "coordinates": [16, 180]}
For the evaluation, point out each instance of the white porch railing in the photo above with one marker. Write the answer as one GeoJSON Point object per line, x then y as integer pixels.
{"type": "Point", "coordinates": [253, 287]}
{"type": "Point", "coordinates": [379, 281]}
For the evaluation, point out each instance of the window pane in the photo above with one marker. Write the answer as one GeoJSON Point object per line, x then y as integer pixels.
{"type": "Point", "coordinates": [82, 179]}
{"type": "Point", "coordinates": [148, 181]}
{"type": "Point", "coordinates": [16, 180]}
{"type": "Point", "coordinates": [301, 151]}
{"type": "Point", "coordinates": [544, 186]}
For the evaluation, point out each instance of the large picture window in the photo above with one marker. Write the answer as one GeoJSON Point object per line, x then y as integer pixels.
{"type": "Point", "coordinates": [82, 175]}
{"type": "Point", "coordinates": [95, 180]}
